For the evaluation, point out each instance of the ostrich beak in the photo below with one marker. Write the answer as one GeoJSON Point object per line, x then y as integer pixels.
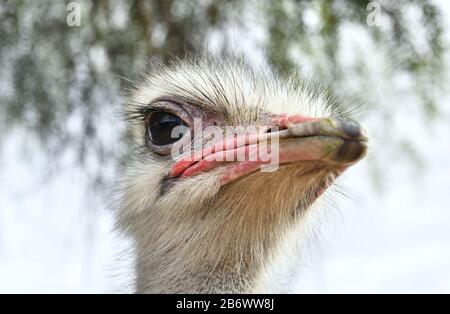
{"type": "Point", "coordinates": [331, 141]}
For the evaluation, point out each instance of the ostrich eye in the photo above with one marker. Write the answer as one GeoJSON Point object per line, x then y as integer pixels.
{"type": "Point", "coordinates": [165, 128]}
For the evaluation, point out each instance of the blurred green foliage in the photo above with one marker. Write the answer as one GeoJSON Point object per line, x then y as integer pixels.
{"type": "Point", "coordinates": [50, 72]}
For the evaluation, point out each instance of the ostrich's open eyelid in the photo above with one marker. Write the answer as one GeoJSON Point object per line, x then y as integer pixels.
{"type": "Point", "coordinates": [169, 106]}
{"type": "Point", "coordinates": [160, 128]}
{"type": "Point", "coordinates": [160, 120]}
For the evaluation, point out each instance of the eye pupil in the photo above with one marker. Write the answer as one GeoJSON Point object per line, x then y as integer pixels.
{"type": "Point", "coordinates": [160, 127]}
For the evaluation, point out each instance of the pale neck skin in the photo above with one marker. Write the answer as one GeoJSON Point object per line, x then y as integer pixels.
{"type": "Point", "coordinates": [227, 246]}
{"type": "Point", "coordinates": [204, 265]}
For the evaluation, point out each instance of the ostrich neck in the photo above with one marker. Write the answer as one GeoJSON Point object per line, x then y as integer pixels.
{"type": "Point", "coordinates": [196, 260]}
{"type": "Point", "coordinates": [226, 244]}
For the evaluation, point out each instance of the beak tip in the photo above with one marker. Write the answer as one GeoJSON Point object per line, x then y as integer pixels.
{"type": "Point", "coordinates": [353, 131]}
{"type": "Point", "coordinates": [351, 152]}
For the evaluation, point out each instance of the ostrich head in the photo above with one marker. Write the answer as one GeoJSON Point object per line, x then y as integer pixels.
{"type": "Point", "coordinates": [202, 218]}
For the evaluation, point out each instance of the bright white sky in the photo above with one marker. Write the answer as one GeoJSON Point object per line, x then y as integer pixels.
{"type": "Point", "coordinates": [55, 238]}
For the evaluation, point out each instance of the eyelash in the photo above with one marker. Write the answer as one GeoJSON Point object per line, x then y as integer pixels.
{"type": "Point", "coordinates": [138, 113]}
{"type": "Point", "coordinates": [141, 112]}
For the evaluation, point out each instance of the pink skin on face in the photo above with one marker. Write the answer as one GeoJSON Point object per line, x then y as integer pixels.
{"type": "Point", "coordinates": [290, 151]}
{"type": "Point", "coordinates": [285, 120]}
{"type": "Point", "coordinates": [246, 145]}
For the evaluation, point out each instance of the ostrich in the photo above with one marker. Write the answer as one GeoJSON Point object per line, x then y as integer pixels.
{"type": "Point", "coordinates": [202, 225]}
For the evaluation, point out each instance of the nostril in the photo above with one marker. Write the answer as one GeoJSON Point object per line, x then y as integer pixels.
{"type": "Point", "coordinates": [274, 128]}
{"type": "Point", "coordinates": [282, 124]}
{"type": "Point", "coordinates": [286, 121]}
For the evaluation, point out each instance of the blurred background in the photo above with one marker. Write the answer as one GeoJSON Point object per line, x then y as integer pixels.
{"type": "Point", "coordinates": [63, 70]}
